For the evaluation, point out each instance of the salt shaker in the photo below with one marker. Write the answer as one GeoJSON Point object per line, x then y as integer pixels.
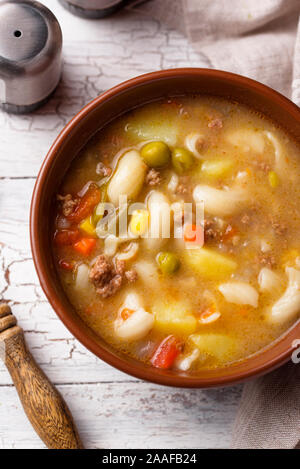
{"type": "Point", "coordinates": [93, 8]}
{"type": "Point", "coordinates": [30, 55]}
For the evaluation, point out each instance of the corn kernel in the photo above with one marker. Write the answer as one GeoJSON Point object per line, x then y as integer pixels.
{"type": "Point", "coordinates": [273, 179]}
{"type": "Point", "coordinates": [139, 222]}
{"type": "Point", "coordinates": [88, 226]}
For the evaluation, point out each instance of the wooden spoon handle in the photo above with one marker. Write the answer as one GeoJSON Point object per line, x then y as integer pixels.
{"type": "Point", "coordinates": [43, 404]}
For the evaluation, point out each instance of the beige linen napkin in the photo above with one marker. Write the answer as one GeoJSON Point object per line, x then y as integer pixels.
{"type": "Point", "coordinates": [255, 38]}
{"type": "Point", "coordinates": [259, 39]}
{"type": "Point", "coordinates": [269, 413]}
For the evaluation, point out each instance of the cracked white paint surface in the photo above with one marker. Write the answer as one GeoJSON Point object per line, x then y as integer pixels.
{"type": "Point", "coordinates": [111, 409]}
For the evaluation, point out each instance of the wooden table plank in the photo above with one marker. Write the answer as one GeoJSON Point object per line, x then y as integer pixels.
{"type": "Point", "coordinates": [132, 415]}
{"type": "Point", "coordinates": [97, 56]}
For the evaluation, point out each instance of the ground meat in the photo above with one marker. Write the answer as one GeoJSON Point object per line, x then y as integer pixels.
{"type": "Point", "coordinates": [202, 144]}
{"type": "Point", "coordinates": [153, 177]}
{"type": "Point", "coordinates": [107, 277]}
{"type": "Point", "coordinates": [120, 267]}
{"type": "Point", "coordinates": [251, 218]}
{"type": "Point", "coordinates": [102, 271]}
{"type": "Point", "coordinates": [279, 228]}
{"type": "Point", "coordinates": [210, 230]}
{"type": "Point", "coordinates": [184, 185]}
{"type": "Point", "coordinates": [267, 260]}
{"type": "Point", "coordinates": [103, 170]}
{"type": "Point", "coordinates": [68, 203]}
{"type": "Point", "coordinates": [110, 288]}
{"type": "Point", "coordinates": [246, 219]}
{"type": "Point", "coordinates": [215, 123]}
{"type": "Point", "coordinates": [131, 276]}
{"type": "Point", "coordinates": [181, 189]}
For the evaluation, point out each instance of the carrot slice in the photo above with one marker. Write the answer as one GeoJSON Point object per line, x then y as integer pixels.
{"type": "Point", "coordinates": [66, 237]}
{"type": "Point", "coordinates": [85, 246]}
{"type": "Point", "coordinates": [86, 205]}
{"type": "Point", "coordinates": [194, 234]}
{"type": "Point", "coordinates": [166, 353]}
{"type": "Point", "coordinates": [209, 315]}
{"type": "Point", "coordinates": [126, 313]}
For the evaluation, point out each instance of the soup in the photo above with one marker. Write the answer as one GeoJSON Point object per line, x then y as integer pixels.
{"type": "Point", "coordinates": [176, 233]}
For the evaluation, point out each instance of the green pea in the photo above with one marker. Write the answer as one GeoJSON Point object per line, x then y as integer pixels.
{"type": "Point", "coordinates": [156, 154]}
{"type": "Point", "coordinates": [182, 159]}
{"type": "Point", "coordinates": [168, 262]}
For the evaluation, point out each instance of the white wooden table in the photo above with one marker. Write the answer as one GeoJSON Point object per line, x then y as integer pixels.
{"type": "Point", "coordinates": [111, 409]}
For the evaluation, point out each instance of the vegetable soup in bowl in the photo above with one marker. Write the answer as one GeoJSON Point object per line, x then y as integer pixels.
{"type": "Point", "coordinates": [170, 216]}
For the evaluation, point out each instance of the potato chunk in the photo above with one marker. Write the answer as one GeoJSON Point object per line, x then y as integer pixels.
{"type": "Point", "coordinates": [209, 264]}
{"type": "Point", "coordinates": [174, 318]}
{"type": "Point", "coordinates": [164, 130]}
{"type": "Point", "coordinates": [220, 346]}
{"type": "Point", "coordinates": [217, 168]}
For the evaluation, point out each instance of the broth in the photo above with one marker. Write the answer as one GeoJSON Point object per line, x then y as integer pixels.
{"type": "Point", "coordinates": [171, 302]}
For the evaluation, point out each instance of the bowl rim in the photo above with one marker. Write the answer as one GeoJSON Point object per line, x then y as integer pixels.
{"type": "Point", "coordinates": [145, 372]}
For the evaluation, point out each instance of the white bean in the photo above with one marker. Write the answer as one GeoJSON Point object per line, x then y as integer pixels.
{"type": "Point", "coordinates": [132, 301]}
{"type": "Point", "coordinates": [82, 277]}
{"type": "Point", "coordinates": [173, 183]}
{"type": "Point", "coordinates": [268, 280]}
{"type": "Point", "coordinates": [159, 220]}
{"type": "Point", "coordinates": [129, 253]}
{"type": "Point", "coordinates": [137, 326]}
{"type": "Point", "coordinates": [280, 162]}
{"type": "Point", "coordinates": [111, 243]}
{"type": "Point", "coordinates": [148, 274]}
{"type": "Point", "coordinates": [184, 363]}
{"type": "Point", "coordinates": [128, 178]}
{"type": "Point", "coordinates": [192, 143]}
{"type": "Point", "coordinates": [289, 304]}
{"type": "Point", "coordinates": [240, 293]}
{"type": "Point", "coordinates": [219, 202]}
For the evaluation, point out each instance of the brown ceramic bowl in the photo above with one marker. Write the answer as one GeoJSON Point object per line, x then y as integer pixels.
{"type": "Point", "coordinates": [97, 114]}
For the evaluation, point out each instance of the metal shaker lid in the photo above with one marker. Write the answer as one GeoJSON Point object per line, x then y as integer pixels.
{"type": "Point", "coordinates": [93, 8]}
{"type": "Point", "coordinates": [30, 54]}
